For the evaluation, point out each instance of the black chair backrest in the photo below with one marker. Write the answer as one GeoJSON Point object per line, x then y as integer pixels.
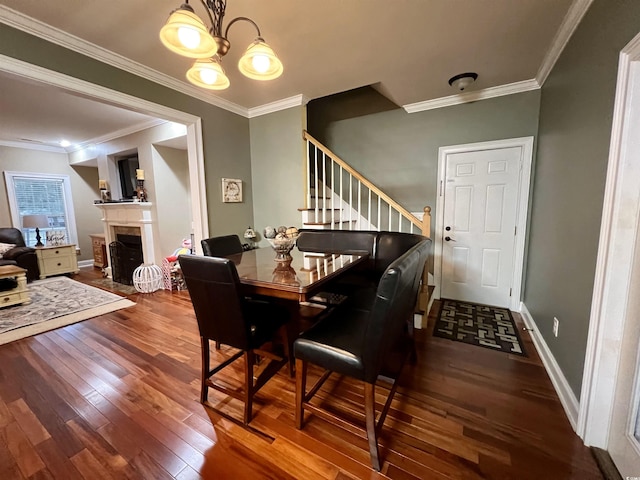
{"type": "Point", "coordinates": [337, 241]}
{"type": "Point", "coordinates": [391, 246]}
{"type": "Point", "coordinates": [11, 235]}
{"type": "Point", "coordinates": [393, 307]}
{"type": "Point", "coordinates": [221, 246]}
{"type": "Point", "coordinates": [214, 287]}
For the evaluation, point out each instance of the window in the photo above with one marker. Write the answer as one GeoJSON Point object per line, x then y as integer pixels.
{"type": "Point", "coordinates": [41, 194]}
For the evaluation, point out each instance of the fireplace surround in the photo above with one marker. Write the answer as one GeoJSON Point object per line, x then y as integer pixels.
{"type": "Point", "coordinates": [127, 219]}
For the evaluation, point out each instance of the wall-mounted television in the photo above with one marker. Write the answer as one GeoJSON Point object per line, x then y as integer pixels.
{"type": "Point", "coordinates": [127, 170]}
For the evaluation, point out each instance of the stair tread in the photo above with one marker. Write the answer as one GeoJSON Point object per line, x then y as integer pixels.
{"type": "Point", "coordinates": [329, 223]}
{"type": "Point", "coordinates": [319, 209]}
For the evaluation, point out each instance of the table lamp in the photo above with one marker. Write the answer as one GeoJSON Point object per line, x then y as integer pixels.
{"type": "Point", "coordinates": [37, 222]}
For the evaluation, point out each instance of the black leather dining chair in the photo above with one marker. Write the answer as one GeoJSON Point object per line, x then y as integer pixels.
{"type": "Point", "coordinates": [221, 246]}
{"type": "Point", "coordinates": [224, 315]}
{"type": "Point", "coordinates": [367, 344]}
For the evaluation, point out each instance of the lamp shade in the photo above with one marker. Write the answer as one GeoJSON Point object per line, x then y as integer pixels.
{"type": "Point", "coordinates": [208, 73]}
{"type": "Point", "coordinates": [186, 34]}
{"type": "Point", "coordinates": [260, 62]}
{"type": "Point", "coordinates": [35, 221]}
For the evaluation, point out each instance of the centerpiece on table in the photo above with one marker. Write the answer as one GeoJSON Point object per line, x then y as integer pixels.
{"type": "Point", "coordinates": [282, 240]}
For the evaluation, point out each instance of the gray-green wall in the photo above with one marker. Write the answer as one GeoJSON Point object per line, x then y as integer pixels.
{"type": "Point", "coordinates": [573, 146]}
{"type": "Point", "coordinates": [225, 135]}
{"type": "Point", "coordinates": [398, 151]}
{"type": "Point", "coordinates": [277, 167]}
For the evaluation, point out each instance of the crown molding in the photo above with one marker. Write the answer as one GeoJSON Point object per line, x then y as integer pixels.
{"type": "Point", "coordinates": [295, 101]}
{"type": "Point", "coordinates": [569, 24]}
{"type": "Point", "coordinates": [59, 37]}
{"type": "Point", "coordinates": [123, 132]}
{"type": "Point", "coordinates": [32, 146]}
{"type": "Point", "coordinates": [499, 91]}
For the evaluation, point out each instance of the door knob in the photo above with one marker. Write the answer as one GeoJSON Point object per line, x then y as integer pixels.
{"type": "Point", "coordinates": [449, 239]}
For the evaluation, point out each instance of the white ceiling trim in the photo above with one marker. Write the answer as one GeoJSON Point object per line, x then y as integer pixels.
{"type": "Point", "coordinates": [283, 104]}
{"type": "Point", "coordinates": [32, 146]}
{"type": "Point", "coordinates": [509, 89]}
{"type": "Point", "coordinates": [117, 134]}
{"type": "Point", "coordinates": [569, 24]}
{"type": "Point", "coordinates": [49, 77]}
{"type": "Point", "coordinates": [51, 34]}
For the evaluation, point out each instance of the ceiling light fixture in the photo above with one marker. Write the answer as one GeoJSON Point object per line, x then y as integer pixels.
{"type": "Point", "coordinates": [186, 34]}
{"type": "Point", "coordinates": [463, 80]}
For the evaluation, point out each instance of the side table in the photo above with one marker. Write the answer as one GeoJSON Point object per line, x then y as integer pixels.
{"type": "Point", "coordinates": [57, 260]}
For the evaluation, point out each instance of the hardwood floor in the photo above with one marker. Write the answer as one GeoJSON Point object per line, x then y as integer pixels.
{"type": "Point", "coordinates": [117, 397]}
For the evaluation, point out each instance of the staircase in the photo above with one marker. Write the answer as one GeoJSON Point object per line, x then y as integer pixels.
{"type": "Point", "coordinates": [340, 198]}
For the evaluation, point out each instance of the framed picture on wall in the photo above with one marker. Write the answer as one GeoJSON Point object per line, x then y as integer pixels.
{"type": "Point", "coordinates": [231, 190]}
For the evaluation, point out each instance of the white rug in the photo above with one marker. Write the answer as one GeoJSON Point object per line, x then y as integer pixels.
{"type": "Point", "coordinates": [56, 302]}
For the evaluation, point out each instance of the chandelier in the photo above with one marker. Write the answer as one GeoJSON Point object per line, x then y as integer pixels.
{"type": "Point", "coordinates": [187, 35]}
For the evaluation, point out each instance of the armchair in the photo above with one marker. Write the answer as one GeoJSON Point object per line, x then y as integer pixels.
{"type": "Point", "coordinates": [20, 255]}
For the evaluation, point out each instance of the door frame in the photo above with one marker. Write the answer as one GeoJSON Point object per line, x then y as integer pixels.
{"type": "Point", "coordinates": [526, 158]}
{"type": "Point", "coordinates": [195, 150]}
{"type": "Point", "coordinates": [620, 226]}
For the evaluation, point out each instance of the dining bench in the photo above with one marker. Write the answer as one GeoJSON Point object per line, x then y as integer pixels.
{"type": "Point", "coordinates": [382, 248]}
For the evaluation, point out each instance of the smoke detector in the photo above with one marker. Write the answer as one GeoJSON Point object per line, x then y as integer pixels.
{"type": "Point", "coordinates": [463, 80]}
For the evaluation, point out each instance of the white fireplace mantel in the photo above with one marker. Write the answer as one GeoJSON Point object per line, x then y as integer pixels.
{"type": "Point", "coordinates": [130, 214]}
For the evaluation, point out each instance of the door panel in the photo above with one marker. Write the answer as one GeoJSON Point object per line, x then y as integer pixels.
{"type": "Point", "coordinates": [480, 207]}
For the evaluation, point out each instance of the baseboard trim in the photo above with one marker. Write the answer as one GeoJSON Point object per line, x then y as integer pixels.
{"type": "Point", "coordinates": [567, 397]}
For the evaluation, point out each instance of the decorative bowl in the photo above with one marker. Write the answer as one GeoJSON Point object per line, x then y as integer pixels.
{"type": "Point", "coordinates": [282, 247]}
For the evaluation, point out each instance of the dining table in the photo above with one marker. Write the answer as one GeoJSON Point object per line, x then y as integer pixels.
{"type": "Point", "coordinates": [298, 279]}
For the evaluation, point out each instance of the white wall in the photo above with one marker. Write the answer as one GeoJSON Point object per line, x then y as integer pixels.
{"type": "Point", "coordinates": [171, 176]}
{"type": "Point", "coordinates": [84, 189]}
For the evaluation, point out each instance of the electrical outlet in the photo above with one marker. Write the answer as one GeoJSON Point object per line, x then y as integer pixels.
{"type": "Point", "coordinates": [556, 324]}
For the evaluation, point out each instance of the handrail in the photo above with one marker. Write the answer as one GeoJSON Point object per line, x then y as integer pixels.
{"type": "Point", "coordinates": [424, 297]}
{"type": "Point", "coordinates": [361, 178]}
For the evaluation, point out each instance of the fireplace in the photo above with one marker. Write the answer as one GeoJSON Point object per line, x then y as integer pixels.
{"type": "Point", "coordinates": [126, 256]}
{"type": "Point", "coordinates": [123, 220]}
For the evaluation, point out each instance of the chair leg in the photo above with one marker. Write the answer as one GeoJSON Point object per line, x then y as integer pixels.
{"type": "Point", "coordinates": [287, 345]}
{"type": "Point", "coordinates": [249, 358]}
{"type": "Point", "coordinates": [370, 418]}
{"type": "Point", "coordinates": [204, 389]}
{"type": "Point", "coordinates": [217, 345]}
{"type": "Point", "coordinates": [301, 380]}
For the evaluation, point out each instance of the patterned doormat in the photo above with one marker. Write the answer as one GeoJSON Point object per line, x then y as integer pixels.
{"type": "Point", "coordinates": [482, 325]}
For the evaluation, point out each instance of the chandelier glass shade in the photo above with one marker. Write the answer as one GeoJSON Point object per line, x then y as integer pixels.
{"type": "Point", "coordinates": [208, 73]}
{"type": "Point", "coordinates": [260, 62]}
{"type": "Point", "coordinates": [186, 34]}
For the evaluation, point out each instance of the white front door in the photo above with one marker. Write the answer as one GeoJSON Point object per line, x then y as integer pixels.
{"type": "Point", "coordinates": [481, 205]}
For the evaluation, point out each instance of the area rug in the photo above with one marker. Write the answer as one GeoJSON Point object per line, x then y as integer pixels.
{"type": "Point", "coordinates": [482, 325]}
{"type": "Point", "coordinates": [56, 302]}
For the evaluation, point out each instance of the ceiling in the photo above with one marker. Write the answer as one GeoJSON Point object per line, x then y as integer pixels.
{"type": "Point", "coordinates": [405, 49]}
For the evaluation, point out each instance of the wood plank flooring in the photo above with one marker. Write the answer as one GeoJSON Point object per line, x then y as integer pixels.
{"type": "Point", "coordinates": [117, 397]}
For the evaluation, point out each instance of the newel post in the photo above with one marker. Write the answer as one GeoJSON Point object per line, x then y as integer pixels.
{"type": "Point", "coordinates": [424, 295]}
{"type": "Point", "coordinates": [426, 222]}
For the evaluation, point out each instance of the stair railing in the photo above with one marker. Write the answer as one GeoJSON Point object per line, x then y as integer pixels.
{"type": "Point", "coordinates": [342, 198]}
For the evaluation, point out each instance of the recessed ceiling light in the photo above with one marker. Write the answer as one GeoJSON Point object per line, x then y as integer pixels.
{"type": "Point", "coordinates": [65, 143]}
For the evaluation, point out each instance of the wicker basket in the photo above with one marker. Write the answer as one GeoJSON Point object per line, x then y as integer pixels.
{"type": "Point", "coordinates": [147, 278]}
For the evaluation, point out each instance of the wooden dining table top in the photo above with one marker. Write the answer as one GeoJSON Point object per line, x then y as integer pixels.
{"type": "Point", "coordinates": [303, 277]}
